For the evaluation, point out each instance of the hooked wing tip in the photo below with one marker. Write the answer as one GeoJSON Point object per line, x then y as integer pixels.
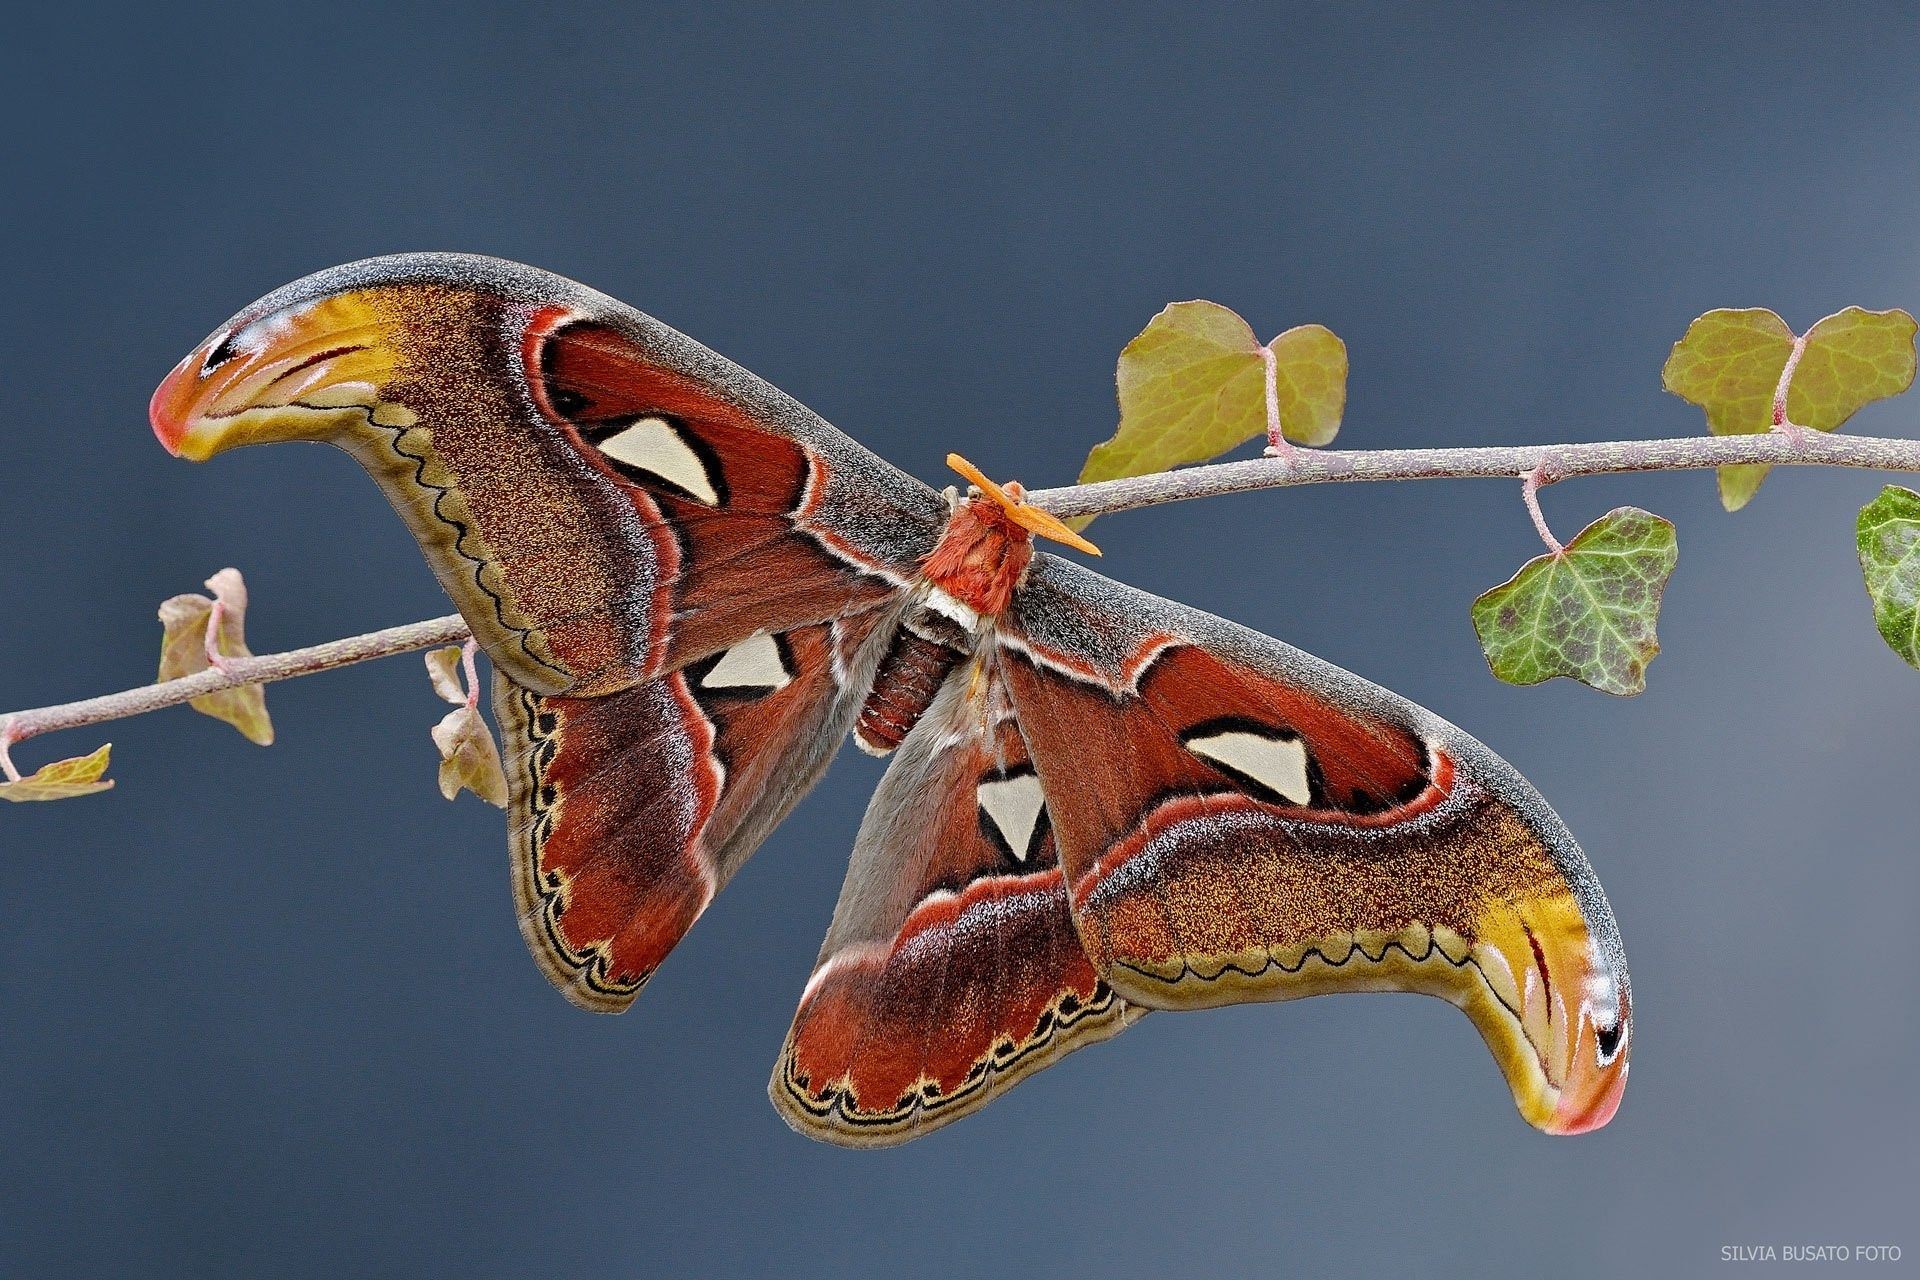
{"type": "Point", "coordinates": [1579, 1113]}
{"type": "Point", "coordinates": [171, 407]}
{"type": "Point", "coordinates": [304, 372]}
{"type": "Point", "coordinates": [1591, 1093]}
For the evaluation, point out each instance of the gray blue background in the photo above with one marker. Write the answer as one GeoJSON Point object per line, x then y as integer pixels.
{"type": "Point", "coordinates": [266, 1012]}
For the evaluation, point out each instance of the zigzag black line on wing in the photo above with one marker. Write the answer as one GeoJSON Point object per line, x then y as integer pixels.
{"type": "Point", "coordinates": [461, 531]}
{"type": "Point", "coordinates": [1004, 1058]}
{"type": "Point", "coordinates": [1188, 971]}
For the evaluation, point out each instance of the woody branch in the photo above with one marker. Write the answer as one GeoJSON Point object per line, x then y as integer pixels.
{"type": "Point", "coordinates": [1545, 464]}
{"type": "Point", "coordinates": [1552, 462]}
{"type": "Point", "coordinates": [228, 674]}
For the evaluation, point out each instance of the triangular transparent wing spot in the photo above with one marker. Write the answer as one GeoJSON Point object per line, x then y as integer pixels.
{"type": "Point", "coordinates": [754, 663]}
{"type": "Point", "coordinates": [1274, 761]}
{"type": "Point", "coordinates": [653, 445]}
{"type": "Point", "coordinates": [1014, 805]}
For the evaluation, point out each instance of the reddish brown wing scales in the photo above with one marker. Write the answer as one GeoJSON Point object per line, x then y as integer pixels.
{"type": "Point", "coordinates": [887, 1046]}
{"type": "Point", "coordinates": [731, 496]}
{"type": "Point", "coordinates": [952, 969]}
{"type": "Point", "coordinates": [630, 811]}
{"type": "Point", "coordinates": [607, 872]}
{"type": "Point", "coordinates": [1356, 771]}
{"type": "Point", "coordinates": [1244, 814]}
{"type": "Point", "coordinates": [1357, 766]}
{"type": "Point", "coordinates": [1258, 840]}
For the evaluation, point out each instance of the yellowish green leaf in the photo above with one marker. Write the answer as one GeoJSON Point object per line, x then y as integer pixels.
{"type": "Point", "coordinates": [1310, 379]}
{"type": "Point", "coordinates": [469, 760]}
{"type": "Point", "coordinates": [1193, 385]}
{"type": "Point", "coordinates": [63, 779]}
{"type": "Point", "coordinates": [1888, 534]}
{"type": "Point", "coordinates": [1853, 358]}
{"type": "Point", "coordinates": [1587, 611]}
{"type": "Point", "coordinates": [1739, 482]}
{"type": "Point", "coordinates": [183, 652]}
{"type": "Point", "coordinates": [1729, 362]}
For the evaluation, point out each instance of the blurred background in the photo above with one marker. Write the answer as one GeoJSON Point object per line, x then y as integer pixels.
{"type": "Point", "coordinates": [266, 1012]}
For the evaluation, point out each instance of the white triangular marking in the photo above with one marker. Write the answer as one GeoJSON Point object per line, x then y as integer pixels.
{"type": "Point", "coordinates": [754, 663]}
{"type": "Point", "coordinates": [653, 445]}
{"type": "Point", "coordinates": [1014, 804]}
{"type": "Point", "coordinates": [1279, 764]}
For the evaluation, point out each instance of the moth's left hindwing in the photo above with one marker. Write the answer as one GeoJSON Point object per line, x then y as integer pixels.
{"type": "Point", "coordinates": [630, 811]}
{"type": "Point", "coordinates": [952, 970]}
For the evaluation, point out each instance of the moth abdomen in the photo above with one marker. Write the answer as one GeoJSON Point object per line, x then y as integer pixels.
{"type": "Point", "coordinates": [915, 667]}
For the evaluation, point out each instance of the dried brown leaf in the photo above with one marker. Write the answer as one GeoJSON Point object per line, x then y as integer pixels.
{"type": "Point", "coordinates": [469, 760]}
{"type": "Point", "coordinates": [183, 652]}
{"type": "Point", "coordinates": [443, 668]}
{"type": "Point", "coordinates": [63, 779]}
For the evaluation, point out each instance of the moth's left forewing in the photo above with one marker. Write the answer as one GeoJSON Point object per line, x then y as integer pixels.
{"type": "Point", "coordinates": [1240, 821]}
{"type": "Point", "coordinates": [675, 567]}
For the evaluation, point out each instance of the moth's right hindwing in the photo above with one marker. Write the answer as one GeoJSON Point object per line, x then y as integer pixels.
{"type": "Point", "coordinates": [630, 811]}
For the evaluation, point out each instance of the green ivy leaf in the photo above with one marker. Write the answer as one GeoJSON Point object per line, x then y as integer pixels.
{"type": "Point", "coordinates": [1587, 611]}
{"type": "Point", "coordinates": [183, 652]}
{"type": "Point", "coordinates": [1193, 385]}
{"type": "Point", "coordinates": [63, 779]}
{"type": "Point", "coordinates": [1729, 363]}
{"type": "Point", "coordinates": [1888, 534]}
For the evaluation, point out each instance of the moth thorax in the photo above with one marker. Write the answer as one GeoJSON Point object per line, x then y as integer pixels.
{"type": "Point", "coordinates": [924, 651]}
{"type": "Point", "coordinates": [980, 557]}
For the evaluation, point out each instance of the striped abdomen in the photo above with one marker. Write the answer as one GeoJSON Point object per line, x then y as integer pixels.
{"type": "Point", "coordinates": [917, 664]}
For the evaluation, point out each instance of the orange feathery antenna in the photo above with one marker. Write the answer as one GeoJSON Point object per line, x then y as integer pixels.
{"type": "Point", "coordinates": [1031, 518]}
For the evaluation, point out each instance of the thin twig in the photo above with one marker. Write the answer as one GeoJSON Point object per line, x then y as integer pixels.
{"type": "Point", "coordinates": [21, 725]}
{"type": "Point", "coordinates": [1552, 463]}
{"type": "Point", "coordinates": [1562, 462]}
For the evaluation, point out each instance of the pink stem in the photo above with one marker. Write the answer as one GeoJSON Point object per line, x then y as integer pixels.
{"type": "Point", "coordinates": [1780, 420]}
{"type": "Point", "coordinates": [1277, 443]}
{"type": "Point", "coordinates": [1531, 483]}
{"type": "Point", "coordinates": [215, 617]}
{"type": "Point", "coordinates": [467, 653]}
